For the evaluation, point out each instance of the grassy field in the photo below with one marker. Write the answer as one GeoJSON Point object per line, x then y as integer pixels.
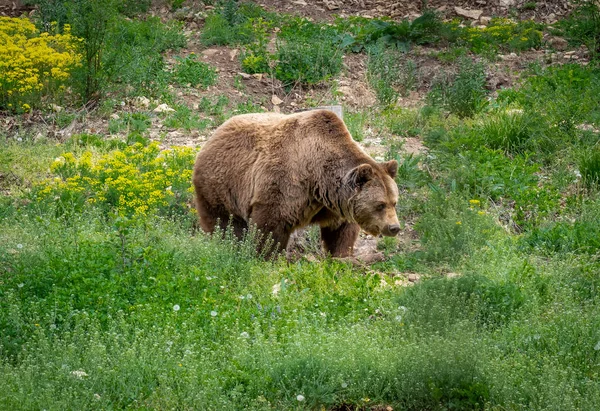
{"type": "Point", "coordinates": [110, 298]}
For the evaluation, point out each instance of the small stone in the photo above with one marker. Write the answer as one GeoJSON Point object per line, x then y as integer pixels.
{"type": "Point", "coordinates": [331, 5]}
{"type": "Point", "coordinates": [506, 3]}
{"type": "Point", "coordinates": [210, 52]}
{"type": "Point", "coordinates": [258, 76]}
{"type": "Point", "coordinates": [114, 116]}
{"type": "Point", "coordinates": [471, 14]}
{"type": "Point", "coordinates": [276, 100]}
{"type": "Point", "coordinates": [485, 20]}
{"type": "Point", "coordinates": [413, 278]}
{"type": "Point", "coordinates": [143, 101]}
{"type": "Point", "coordinates": [56, 108]}
{"type": "Point", "coordinates": [299, 2]}
{"type": "Point", "coordinates": [163, 108]}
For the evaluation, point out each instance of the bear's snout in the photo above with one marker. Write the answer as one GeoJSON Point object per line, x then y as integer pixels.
{"type": "Point", "coordinates": [391, 230]}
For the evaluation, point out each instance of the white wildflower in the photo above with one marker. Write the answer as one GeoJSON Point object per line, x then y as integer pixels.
{"type": "Point", "coordinates": [79, 373]}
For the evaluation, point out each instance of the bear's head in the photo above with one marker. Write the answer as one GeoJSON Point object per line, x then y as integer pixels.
{"type": "Point", "coordinates": [374, 197]}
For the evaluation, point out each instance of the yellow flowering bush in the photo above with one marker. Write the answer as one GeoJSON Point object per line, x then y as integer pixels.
{"type": "Point", "coordinates": [501, 33]}
{"type": "Point", "coordinates": [138, 180]}
{"type": "Point", "coordinates": [34, 64]}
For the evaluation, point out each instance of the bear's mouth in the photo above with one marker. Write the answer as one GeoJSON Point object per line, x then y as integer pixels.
{"type": "Point", "coordinates": [374, 231]}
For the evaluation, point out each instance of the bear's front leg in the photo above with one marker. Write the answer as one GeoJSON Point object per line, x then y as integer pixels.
{"type": "Point", "coordinates": [339, 242]}
{"type": "Point", "coordinates": [269, 226]}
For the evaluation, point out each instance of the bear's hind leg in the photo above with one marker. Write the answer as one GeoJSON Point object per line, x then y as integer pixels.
{"type": "Point", "coordinates": [210, 216]}
{"type": "Point", "coordinates": [339, 242]}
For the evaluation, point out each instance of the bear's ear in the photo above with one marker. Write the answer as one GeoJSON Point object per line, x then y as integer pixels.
{"type": "Point", "coordinates": [360, 175]}
{"type": "Point", "coordinates": [391, 167]}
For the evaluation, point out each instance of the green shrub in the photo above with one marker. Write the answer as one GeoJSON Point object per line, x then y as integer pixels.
{"type": "Point", "coordinates": [307, 61]}
{"type": "Point", "coordinates": [189, 71]}
{"type": "Point", "coordinates": [255, 58]}
{"type": "Point", "coordinates": [233, 22]}
{"type": "Point", "coordinates": [133, 60]}
{"type": "Point", "coordinates": [139, 180]}
{"type": "Point", "coordinates": [485, 173]}
{"type": "Point", "coordinates": [406, 122]}
{"type": "Point", "coordinates": [463, 93]}
{"type": "Point", "coordinates": [359, 32]}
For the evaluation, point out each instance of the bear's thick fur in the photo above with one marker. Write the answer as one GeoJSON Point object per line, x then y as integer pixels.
{"type": "Point", "coordinates": [283, 172]}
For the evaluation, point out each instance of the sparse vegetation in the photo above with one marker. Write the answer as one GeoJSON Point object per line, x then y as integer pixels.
{"type": "Point", "coordinates": [462, 93]}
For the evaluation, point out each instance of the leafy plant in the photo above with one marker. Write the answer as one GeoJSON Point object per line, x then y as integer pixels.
{"type": "Point", "coordinates": [360, 32]}
{"type": "Point", "coordinates": [190, 71]}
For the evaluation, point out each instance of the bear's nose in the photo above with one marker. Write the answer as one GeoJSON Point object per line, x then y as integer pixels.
{"type": "Point", "coordinates": [394, 229]}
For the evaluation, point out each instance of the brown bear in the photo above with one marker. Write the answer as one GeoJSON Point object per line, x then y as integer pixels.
{"type": "Point", "coordinates": [284, 172]}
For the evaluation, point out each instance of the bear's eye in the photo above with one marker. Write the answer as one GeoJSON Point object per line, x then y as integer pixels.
{"type": "Point", "coordinates": [380, 207]}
